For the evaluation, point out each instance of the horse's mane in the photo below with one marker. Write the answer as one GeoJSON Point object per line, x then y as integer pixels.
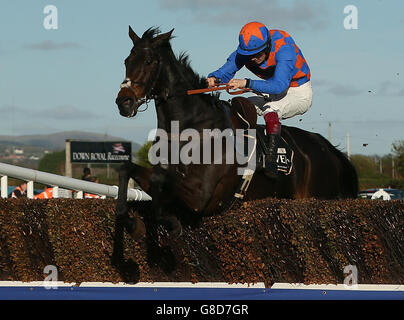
{"type": "Point", "coordinates": [195, 80]}
{"type": "Point", "coordinates": [151, 33]}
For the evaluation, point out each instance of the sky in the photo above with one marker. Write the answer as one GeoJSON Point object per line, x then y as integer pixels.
{"type": "Point", "coordinates": [67, 78]}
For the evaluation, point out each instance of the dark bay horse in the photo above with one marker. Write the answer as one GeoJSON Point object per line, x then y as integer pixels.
{"type": "Point", "coordinates": [154, 72]}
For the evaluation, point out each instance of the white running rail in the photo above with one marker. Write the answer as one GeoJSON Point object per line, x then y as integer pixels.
{"type": "Point", "coordinates": [31, 176]}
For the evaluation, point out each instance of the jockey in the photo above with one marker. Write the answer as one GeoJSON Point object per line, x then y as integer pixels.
{"type": "Point", "coordinates": [285, 89]}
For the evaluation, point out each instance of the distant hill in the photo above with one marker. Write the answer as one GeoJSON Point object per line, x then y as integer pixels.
{"type": "Point", "coordinates": [56, 141]}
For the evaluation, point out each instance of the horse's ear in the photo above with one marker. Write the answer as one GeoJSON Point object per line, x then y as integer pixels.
{"type": "Point", "coordinates": [162, 38]}
{"type": "Point", "coordinates": [133, 36]}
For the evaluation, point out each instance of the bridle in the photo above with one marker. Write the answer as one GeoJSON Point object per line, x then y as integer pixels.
{"type": "Point", "coordinates": [127, 83]}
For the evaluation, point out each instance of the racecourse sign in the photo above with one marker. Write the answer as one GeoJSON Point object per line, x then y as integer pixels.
{"type": "Point", "coordinates": [100, 152]}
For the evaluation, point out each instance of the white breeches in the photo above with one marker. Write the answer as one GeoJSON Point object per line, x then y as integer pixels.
{"type": "Point", "coordinates": [297, 101]}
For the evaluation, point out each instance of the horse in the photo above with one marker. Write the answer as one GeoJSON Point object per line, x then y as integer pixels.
{"type": "Point", "coordinates": [153, 71]}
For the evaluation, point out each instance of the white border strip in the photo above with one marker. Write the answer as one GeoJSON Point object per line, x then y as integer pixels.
{"type": "Point", "coordinates": [210, 285]}
{"type": "Point", "coordinates": [34, 284]}
{"type": "Point", "coordinates": [359, 287]}
{"type": "Point", "coordinates": [213, 285]}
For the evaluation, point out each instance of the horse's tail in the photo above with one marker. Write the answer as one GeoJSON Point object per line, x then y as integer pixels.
{"type": "Point", "coordinates": [349, 177]}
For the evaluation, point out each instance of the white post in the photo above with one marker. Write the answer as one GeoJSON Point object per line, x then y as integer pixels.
{"type": "Point", "coordinates": [55, 192]}
{"type": "Point", "coordinates": [30, 189]}
{"type": "Point", "coordinates": [4, 186]}
{"type": "Point", "coordinates": [79, 195]}
{"type": "Point", "coordinates": [68, 163]}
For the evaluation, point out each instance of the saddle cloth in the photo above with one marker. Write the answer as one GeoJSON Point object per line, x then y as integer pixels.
{"type": "Point", "coordinates": [285, 153]}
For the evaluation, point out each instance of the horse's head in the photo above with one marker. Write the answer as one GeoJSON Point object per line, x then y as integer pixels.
{"type": "Point", "coordinates": [142, 70]}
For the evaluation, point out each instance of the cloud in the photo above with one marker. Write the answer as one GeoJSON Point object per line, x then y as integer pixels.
{"type": "Point", "coordinates": [321, 82]}
{"type": "Point", "coordinates": [386, 88]}
{"type": "Point", "coordinates": [68, 112]}
{"type": "Point", "coordinates": [389, 88]}
{"type": "Point", "coordinates": [302, 15]}
{"type": "Point", "coordinates": [335, 88]}
{"type": "Point", "coordinates": [344, 90]}
{"type": "Point", "coordinates": [62, 112]}
{"type": "Point", "coordinates": [9, 111]}
{"type": "Point", "coordinates": [49, 45]}
{"type": "Point", "coordinates": [400, 93]}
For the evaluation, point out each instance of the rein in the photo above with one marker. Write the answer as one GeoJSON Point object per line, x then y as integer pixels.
{"type": "Point", "coordinates": [225, 86]}
{"type": "Point", "coordinates": [220, 86]}
{"type": "Point", "coordinates": [127, 83]}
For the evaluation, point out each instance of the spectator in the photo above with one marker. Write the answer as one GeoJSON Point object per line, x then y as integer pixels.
{"type": "Point", "coordinates": [19, 192]}
{"type": "Point", "coordinates": [46, 194]}
{"type": "Point", "coordinates": [86, 174]}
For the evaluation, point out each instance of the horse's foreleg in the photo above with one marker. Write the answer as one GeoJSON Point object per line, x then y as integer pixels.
{"type": "Point", "coordinates": [141, 175]}
{"type": "Point", "coordinates": [161, 194]}
{"type": "Point", "coordinates": [121, 214]}
{"type": "Point", "coordinates": [134, 226]}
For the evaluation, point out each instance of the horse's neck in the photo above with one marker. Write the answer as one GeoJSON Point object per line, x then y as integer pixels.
{"type": "Point", "coordinates": [189, 111]}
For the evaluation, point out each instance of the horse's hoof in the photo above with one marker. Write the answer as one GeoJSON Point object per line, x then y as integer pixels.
{"type": "Point", "coordinates": [174, 227]}
{"type": "Point", "coordinates": [138, 229]}
{"type": "Point", "coordinates": [176, 233]}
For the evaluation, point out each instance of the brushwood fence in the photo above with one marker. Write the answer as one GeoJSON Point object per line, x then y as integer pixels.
{"type": "Point", "coordinates": [266, 241]}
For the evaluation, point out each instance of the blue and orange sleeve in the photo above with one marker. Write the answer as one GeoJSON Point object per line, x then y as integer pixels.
{"type": "Point", "coordinates": [280, 82]}
{"type": "Point", "coordinates": [233, 64]}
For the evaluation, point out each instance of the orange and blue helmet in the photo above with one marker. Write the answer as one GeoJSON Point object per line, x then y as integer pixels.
{"type": "Point", "coordinates": [253, 38]}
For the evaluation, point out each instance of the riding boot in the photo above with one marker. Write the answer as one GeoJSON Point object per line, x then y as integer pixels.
{"type": "Point", "coordinates": [271, 163]}
{"type": "Point", "coordinates": [273, 128]}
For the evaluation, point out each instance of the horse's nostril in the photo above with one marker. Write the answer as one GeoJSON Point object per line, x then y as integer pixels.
{"type": "Point", "coordinates": [127, 102]}
{"type": "Point", "coordinates": [124, 102]}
